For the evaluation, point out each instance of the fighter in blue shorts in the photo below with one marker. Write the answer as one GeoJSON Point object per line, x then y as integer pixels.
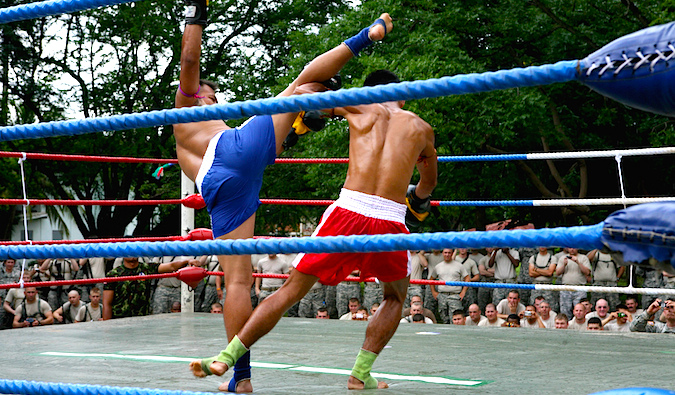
{"type": "Point", "coordinates": [227, 164]}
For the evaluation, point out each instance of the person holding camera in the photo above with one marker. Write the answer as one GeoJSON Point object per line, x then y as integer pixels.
{"type": "Point", "coordinates": [531, 319]}
{"type": "Point", "coordinates": [645, 322]}
{"type": "Point", "coordinates": [618, 321]}
{"type": "Point", "coordinates": [33, 311]}
{"type": "Point", "coordinates": [574, 268]}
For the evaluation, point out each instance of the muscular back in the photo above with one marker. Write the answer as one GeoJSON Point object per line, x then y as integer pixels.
{"type": "Point", "coordinates": [384, 146]}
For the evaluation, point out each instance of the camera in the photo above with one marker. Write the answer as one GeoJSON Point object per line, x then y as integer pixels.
{"type": "Point", "coordinates": [30, 321]}
{"type": "Point", "coordinates": [528, 314]}
{"type": "Point", "coordinates": [620, 315]}
{"type": "Point", "coordinates": [663, 305]}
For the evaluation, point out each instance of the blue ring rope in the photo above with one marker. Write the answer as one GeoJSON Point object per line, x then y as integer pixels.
{"type": "Point", "coordinates": [25, 387]}
{"type": "Point", "coordinates": [455, 85]}
{"type": "Point", "coordinates": [587, 237]}
{"type": "Point", "coordinates": [53, 7]}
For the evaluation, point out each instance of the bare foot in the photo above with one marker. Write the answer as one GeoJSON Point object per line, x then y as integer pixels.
{"type": "Point", "coordinates": [377, 33]}
{"type": "Point", "coordinates": [355, 384]}
{"type": "Point", "coordinates": [217, 368]}
{"type": "Point", "coordinates": [243, 386]}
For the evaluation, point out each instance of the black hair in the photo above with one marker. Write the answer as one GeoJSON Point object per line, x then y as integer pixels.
{"type": "Point", "coordinates": [380, 77]}
{"type": "Point", "coordinates": [458, 311]}
{"type": "Point", "coordinates": [418, 318]}
{"type": "Point", "coordinates": [594, 320]}
{"type": "Point", "coordinates": [209, 83]}
{"type": "Point", "coordinates": [621, 306]}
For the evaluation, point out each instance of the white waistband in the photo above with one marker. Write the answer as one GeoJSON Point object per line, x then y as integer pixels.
{"type": "Point", "coordinates": [371, 206]}
{"type": "Point", "coordinates": [207, 161]}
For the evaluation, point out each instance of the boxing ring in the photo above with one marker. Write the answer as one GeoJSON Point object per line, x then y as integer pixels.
{"type": "Point", "coordinates": [313, 356]}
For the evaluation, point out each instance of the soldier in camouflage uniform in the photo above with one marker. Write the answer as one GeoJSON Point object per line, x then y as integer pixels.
{"type": "Point", "coordinates": [372, 293]}
{"type": "Point", "coordinates": [524, 274]}
{"type": "Point", "coordinates": [132, 298]}
{"type": "Point", "coordinates": [653, 279]}
{"type": "Point", "coordinates": [418, 263]}
{"type": "Point", "coordinates": [433, 259]}
{"type": "Point", "coordinates": [58, 270]}
{"type": "Point", "coordinates": [330, 294]}
{"type": "Point", "coordinates": [314, 300]}
{"type": "Point", "coordinates": [8, 275]}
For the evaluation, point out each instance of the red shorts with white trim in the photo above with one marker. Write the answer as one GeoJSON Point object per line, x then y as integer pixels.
{"type": "Point", "coordinates": [360, 219]}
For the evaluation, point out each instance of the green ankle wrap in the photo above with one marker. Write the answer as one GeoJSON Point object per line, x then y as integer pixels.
{"type": "Point", "coordinates": [362, 366]}
{"type": "Point", "coordinates": [234, 350]}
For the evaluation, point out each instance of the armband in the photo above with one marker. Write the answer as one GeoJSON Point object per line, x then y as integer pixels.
{"type": "Point", "coordinates": [361, 40]}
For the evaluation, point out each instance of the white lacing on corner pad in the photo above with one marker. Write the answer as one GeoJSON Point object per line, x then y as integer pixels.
{"type": "Point", "coordinates": [25, 214]}
{"type": "Point", "coordinates": [636, 62]}
{"type": "Point", "coordinates": [640, 235]}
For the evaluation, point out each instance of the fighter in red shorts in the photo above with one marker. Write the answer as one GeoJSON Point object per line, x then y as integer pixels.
{"type": "Point", "coordinates": [386, 143]}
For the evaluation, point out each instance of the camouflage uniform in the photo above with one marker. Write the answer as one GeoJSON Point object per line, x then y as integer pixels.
{"type": "Point", "coordinates": [315, 299]}
{"type": "Point", "coordinates": [447, 303]}
{"type": "Point", "coordinates": [414, 290]}
{"type": "Point", "coordinates": [524, 274]}
{"type": "Point", "coordinates": [653, 279]}
{"type": "Point", "coordinates": [372, 293]}
{"type": "Point", "coordinates": [7, 278]}
{"type": "Point", "coordinates": [210, 291]}
{"type": "Point", "coordinates": [345, 291]}
{"type": "Point", "coordinates": [59, 269]}
{"type": "Point", "coordinates": [330, 295]}
{"type": "Point", "coordinates": [132, 298]}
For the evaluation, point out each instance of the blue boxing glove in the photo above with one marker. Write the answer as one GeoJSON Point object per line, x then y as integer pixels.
{"type": "Point", "coordinates": [418, 208]}
{"type": "Point", "coordinates": [196, 12]}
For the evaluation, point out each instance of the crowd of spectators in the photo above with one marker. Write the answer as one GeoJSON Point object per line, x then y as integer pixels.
{"type": "Point", "coordinates": [458, 305]}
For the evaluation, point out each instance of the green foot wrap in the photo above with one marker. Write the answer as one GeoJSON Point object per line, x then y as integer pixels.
{"type": "Point", "coordinates": [228, 356]}
{"type": "Point", "coordinates": [362, 366]}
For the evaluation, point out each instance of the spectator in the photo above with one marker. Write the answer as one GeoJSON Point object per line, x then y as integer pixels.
{"type": "Point", "coordinates": [353, 305]}
{"type": "Point", "coordinates": [373, 310]}
{"type": "Point", "coordinates": [492, 317]}
{"type": "Point", "coordinates": [544, 312]}
{"type": "Point", "coordinates": [531, 318]}
{"type": "Point", "coordinates": [588, 307]}
{"type": "Point", "coordinates": [632, 305]}
{"type": "Point", "coordinates": [418, 265]}
{"type": "Point", "coordinates": [132, 298]}
{"type": "Point", "coordinates": [510, 305]}
{"type": "Point", "coordinates": [67, 313]}
{"type": "Point", "coordinates": [419, 319]}
{"type": "Point", "coordinates": [216, 308]}
{"type": "Point", "coordinates": [168, 289]}
{"type": "Point", "coordinates": [512, 321]}
{"type": "Point", "coordinates": [90, 268]}
{"type": "Point", "coordinates": [415, 308]}
{"type": "Point", "coordinates": [8, 275]}
{"type": "Point", "coordinates": [561, 321]}
{"type": "Point", "coordinates": [449, 296]}
{"type": "Point", "coordinates": [314, 300]}
{"type": "Point", "coordinates": [13, 300]}
{"type": "Point", "coordinates": [271, 264]}
{"type": "Point", "coordinates": [645, 322]}
{"type": "Point", "coordinates": [484, 295]}
{"type": "Point", "coordinates": [91, 311]}
{"type": "Point", "coordinates": [175, 307]}
{"type": "Point", "coordinates": [213, 289]}
{"type": "Point", "coordinates": [601, 310]}
{"type": "Point", "coordinates": [458, 317]}
{"type": "Point", "coordinates": [345, 291]}
{"type": "Point", "coordinates": [475, 317]}
{"type": "Point", "coordinates": [433, 259]}
{"type": "Point", "coordinates": [524, 274]}
{"type": "Point", "coordinates": [606, 273]}
{"type": "Point", "coordinates": [573, 268]}
{"type": "Point", "coordinates": [32, 311]}
{"type": "Point", "coordinates": [618, 321]}
{"type": "Point", "coordinates": [426, 312]}
{"type": "Point", "coordinates": [361, 314]}
{"type": "Point", "coordinates": [58, 270]}
{"type": "Point", "coordinates": [471, 267]}
{"type": "Point", "coordinates": [652, 279]}
{"type": "Point", "coordinates": [322, 313]}
{"type": "Point", "coordinates": [504, 261]}
{"type": "Point", "coordinates": [579, 321]}
{"type": "Point", "coordinates": [594, 324]}
{"type": "Point", "coordinates": [542, 268]}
